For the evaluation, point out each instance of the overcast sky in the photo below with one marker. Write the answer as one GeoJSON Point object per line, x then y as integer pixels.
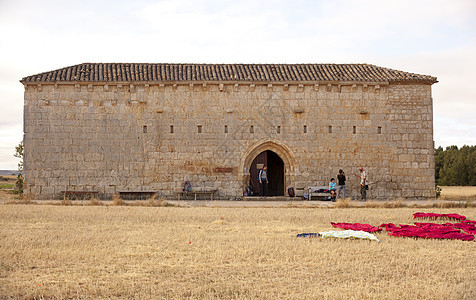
{"type": "Point", "coordinates": [431, 37]}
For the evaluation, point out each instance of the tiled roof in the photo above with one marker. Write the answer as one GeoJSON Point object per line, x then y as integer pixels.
{"type": "Point", "coordinates": [129, 72]}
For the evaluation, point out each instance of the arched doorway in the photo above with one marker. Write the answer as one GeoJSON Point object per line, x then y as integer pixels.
{"type": "Point", "coordinates": [275, 172]}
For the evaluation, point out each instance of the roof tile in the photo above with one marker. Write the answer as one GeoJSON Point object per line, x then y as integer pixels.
{"type": "Point", "coordinates": [129, 72]}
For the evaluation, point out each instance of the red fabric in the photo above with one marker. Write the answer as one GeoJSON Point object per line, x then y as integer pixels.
{"type": "Point", "coordinates": [428, 231]}
{"type": "Point", "coordinates": [466, 227]}
{"type": "Point", "coordinates": [437, 216]}
{"type": "Point", "coordinates": [356, 226]}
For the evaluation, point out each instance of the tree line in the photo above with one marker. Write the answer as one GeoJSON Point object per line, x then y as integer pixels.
{"type": "Point", "coordinates": [455, 166]}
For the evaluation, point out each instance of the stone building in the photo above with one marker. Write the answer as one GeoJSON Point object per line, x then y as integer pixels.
{"type": "Point", "coordinates": [110, 127]}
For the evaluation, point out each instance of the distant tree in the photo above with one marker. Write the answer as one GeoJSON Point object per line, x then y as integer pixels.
{"type": "Point", "coordinates": [455, 166]}
{"type": "Point", "coordinates": [19, 154]}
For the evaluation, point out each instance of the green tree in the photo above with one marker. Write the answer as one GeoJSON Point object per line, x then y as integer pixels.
{"type": "Point", "coordinates": [455, 166]}
{"type": "Point", "coordinates": [19, 153]}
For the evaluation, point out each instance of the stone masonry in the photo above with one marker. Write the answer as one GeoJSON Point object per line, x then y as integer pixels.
{"type": "Point", "coordinates": [119, 127]}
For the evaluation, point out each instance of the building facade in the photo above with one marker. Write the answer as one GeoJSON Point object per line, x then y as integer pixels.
{"type": "Point", "coordinates": [107, 128]}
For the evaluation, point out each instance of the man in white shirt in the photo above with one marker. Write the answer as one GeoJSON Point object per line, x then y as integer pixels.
{"type": "Point", "coordinates": [363, 184]}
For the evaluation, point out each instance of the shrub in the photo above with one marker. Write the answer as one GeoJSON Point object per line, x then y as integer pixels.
{"type": "Point", "coordinates": [117, 200]}
{"type": "Point", "coordinates": [95, 202]}
{"type": "Point", "coordinates": [343, 203]}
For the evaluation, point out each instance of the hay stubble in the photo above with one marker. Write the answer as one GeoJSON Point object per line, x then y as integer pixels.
{"type": "Point", "coordinates": [173, 252]}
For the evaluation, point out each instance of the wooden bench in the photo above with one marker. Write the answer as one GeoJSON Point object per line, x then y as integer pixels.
{"type": "Point", "coordinates": [79, 193]}
{"type": "Point", "coordinates": [316, 191]}
{"type": "Point", "coordinates": [136, 195]}
{"type": "Point", "coordinates": [195, 193]}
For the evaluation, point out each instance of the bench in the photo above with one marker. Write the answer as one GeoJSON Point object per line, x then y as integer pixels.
{"type": "Point", "coordinates": [322, 192]}
{"type": "Point", "coordinates": [195, 193]}
{"type": "Point", "coordinates": [136, 195]}
{"type": "Point", "coordinates": [79, 193]}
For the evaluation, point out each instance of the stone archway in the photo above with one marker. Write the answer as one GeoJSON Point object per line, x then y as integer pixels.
{"type": "Point", "coordinates": [284, 154]}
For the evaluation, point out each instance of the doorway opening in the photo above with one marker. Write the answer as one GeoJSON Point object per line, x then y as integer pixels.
{"type": "Point", "coordinates": [275, 167]}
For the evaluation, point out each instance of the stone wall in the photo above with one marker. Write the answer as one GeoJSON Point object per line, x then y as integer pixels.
{"type": "Point", "coordinates": [153, 136]}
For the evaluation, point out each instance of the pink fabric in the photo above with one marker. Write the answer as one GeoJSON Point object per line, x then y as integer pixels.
{"type": "Point", "coordinates": [428, 231]}
{"type": "Point", "coordinates": [437, 216]}
{"type": "Point", "coordinates": [466, 227]}
{"type": "Point", "coordinates": [356, 226]}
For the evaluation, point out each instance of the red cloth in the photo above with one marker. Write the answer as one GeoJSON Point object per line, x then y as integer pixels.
{"type": "Point", "coordinates": [437, 216]}
{"type": "Point", "coordinates": [428, 231]}
{"type": "Point", "coordinates": [356, 226]}
{"type": "Point", "coordinates": [466, 227]}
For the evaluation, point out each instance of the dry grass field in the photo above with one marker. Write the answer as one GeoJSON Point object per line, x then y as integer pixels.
{"type": "Point", "coordinates": [223, 253]}
{"type": "Point", "coordinates": [458, 191]}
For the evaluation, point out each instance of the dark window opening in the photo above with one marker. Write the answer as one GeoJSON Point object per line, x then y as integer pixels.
{"type": "Point", "coordinates": [199, 128]}
{"type": "Point", "coordinates": [354, 130]}
{"type": "Point", "coordinates": [226, 128]}
{"type": "Point", "coordinates": [330, 129]}
{"type": "Point", "coordinates": [304, 129]}
{"type": "Point", "coordinates": [144, 129]}
{"type": "Point", "coordinates": [171, 128]}
{"type": "Point", "coordinates": [379, 130]}
{"type": "Point", "coordinates": [252, 129]}
{"type": "Point", "coordinates": [278, 129]}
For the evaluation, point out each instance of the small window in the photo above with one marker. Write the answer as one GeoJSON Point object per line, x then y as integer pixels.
{"type": "Point", "coordinates": [199, 128]}
{"type": "Point", "coordinates": [330, 129]}
{"type": "Point", "coordinates": [226, 128]}
{"type": "Point", "coordinates": [171, 128]}
{"type": "Point", "coordinates": [304, 129]}
{"type": "Point", "coordinates": [354, 130]}
{"type": "Point", "coordinates": [278, 129]}
{"type": "Point", "coordinates": [379, 130]}
{"type": "Point", "coordinates": [144, 129]}
{"type": "Point", "coordinates": [252, 129]}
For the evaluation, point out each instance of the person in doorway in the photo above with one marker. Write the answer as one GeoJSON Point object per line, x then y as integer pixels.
{"type": "Point", "coordinates": [263, 181]}
{"type": "Point", "coordinates": [341, 184]}
{"type": "Point", "coordinates": [333, 189]}
{"type": "Point", "coordinates": [363, 184]}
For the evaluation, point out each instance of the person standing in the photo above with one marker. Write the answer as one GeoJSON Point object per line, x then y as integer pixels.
{"type": "Point", "coordinates": [341, 184]}
{"type": "Point", "coordinates": [263, 181]}
{"type": "Point", "coordinates": [363, 184]}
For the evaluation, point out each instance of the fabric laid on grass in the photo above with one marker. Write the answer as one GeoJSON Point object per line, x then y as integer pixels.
{"type": "Point", "coordinates": [466, 227]}
{"type": "Point", "coordinates": [438, 216]}
{"type": "Point", "coordinates": [427, 231]}
{"type": "Point", "coordinates": [310, 234]}
{"type": "Point", "coordinates": [356, 226]}
{"type": "Point", "coordinates": [348, 234]}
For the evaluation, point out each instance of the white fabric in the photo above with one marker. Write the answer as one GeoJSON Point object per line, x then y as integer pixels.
{"type": "Point", "coordinates": [346, 234]}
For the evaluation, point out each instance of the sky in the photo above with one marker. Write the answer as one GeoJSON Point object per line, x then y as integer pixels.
{"type": "Point", "coordinates": [435, 37]}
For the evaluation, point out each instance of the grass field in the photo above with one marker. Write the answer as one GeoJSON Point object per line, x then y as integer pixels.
{"type": "Point", "coordinates": [458, 191]}
{"type": "Point", "coordinates": [223, 253]}
{"type": "Point", "coordinates": [7, 182]}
